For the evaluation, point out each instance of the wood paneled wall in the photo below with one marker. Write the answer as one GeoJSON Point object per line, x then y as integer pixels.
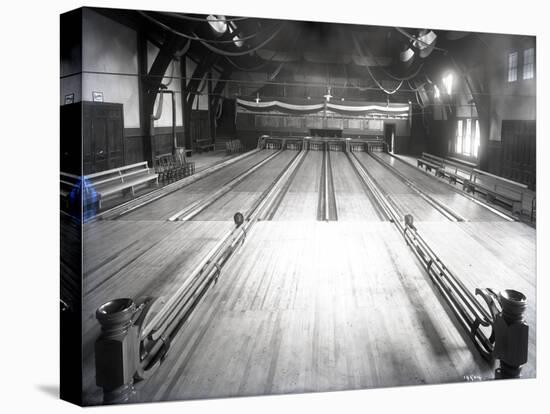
{"type": "Point", "coordinates": [518, 152]}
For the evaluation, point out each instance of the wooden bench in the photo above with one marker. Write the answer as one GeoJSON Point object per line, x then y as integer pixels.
{"type": "Point", "coordinates": [464, 163]}
{"type": "Point", "coordinates": [456, 170]}
{"type": "Point", "coordinates": [496, 188]}
{"type": "Point", "coordinates": [121, 180]}
{"type": "Point", "coordinates": [205, 145]}
{"type": "Point", "coordinates": [429, 162]}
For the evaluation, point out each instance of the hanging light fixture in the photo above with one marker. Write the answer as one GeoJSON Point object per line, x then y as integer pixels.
{"type": "Point", "coordinates": [328, 95]}
{"type": "Point", "coordinates": [406, 55]}
{"type": "Point", "coordinates": [236, 39]}
{"type": "Point", "coordinates": [425, 42]}
{"type": "Point", "coordinates": [217, 23]}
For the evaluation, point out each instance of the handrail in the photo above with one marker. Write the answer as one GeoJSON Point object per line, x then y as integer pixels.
{"type": "Point", "coordinates": [152, 324]}
{"type": "Point", "coordinates": [469, 311]}
{"type": "Point", "coordinates": [441, 207]}
{"type": "Point", "coordinates": [191, 211]}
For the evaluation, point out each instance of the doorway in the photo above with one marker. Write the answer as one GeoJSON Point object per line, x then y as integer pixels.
{"type": "Point", "coordinates": [389, 136]}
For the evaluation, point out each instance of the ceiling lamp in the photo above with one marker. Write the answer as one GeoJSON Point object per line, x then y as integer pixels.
{"type": "Point", "coordinates": [217, 23]}
{"type": "Point", "coordinates": [236, 39]}
{"type": "Point", "coordinates": [328, 95]}
{"type": "Point", "coordinates": [425, 42]}
{"type": "Point", "coordinates": [238, 42]}
{"type": "Point", "coordinates": [406, 55]}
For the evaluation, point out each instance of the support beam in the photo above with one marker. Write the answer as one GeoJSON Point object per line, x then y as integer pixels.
{"type": "Point", "coordinates": [150, 85]}
{"type": "Point", "coordinates": [191, 91]}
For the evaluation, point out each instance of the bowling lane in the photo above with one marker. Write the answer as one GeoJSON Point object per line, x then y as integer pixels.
{"type": "Point", "coordinates": [131, 259]}
{"type": "Point", "coordinates": [287, 316]}
{"type": "Point", "coordinates": [302, 198]}
{"type": "Point", "coordinates": [499, 255]}
{"type": "Point", "coordinates": [404, 197]}
{"type": "Point", "coordinates": [242, 197]}
{"type": "Point", "coordinates": [353, 200]}
{"type": "Point", "coordinates": [165, 207]}
{"type": "Point", "coordinates": [441, 191]}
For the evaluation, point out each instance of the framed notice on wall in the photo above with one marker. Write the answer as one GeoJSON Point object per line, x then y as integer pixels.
{"type": "Point", "coordinates": [97, 96]}
{"type": "Point", "coordinates": [69, 98]}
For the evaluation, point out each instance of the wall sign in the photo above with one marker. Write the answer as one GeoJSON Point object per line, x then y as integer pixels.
{"type": "Point", "coordinates": [69, 98]}
{"type": "Point", "coordinates": [97, 96]}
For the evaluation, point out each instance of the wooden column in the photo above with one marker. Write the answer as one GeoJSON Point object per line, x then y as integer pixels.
{"type": "Point", "coordinates": [184, 111]}
{"type": "Point", "coordinates": [145, 118]}
{"type": "Point", "coordinates": [211, 110]}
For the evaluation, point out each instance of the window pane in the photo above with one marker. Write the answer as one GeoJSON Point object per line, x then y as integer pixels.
{"type": "Point", "coordinates": [448, 82]}
{"type": "Point", "coordinates": [512, 66]}
{"type": "Point", "coordinates": [529, 63]}
{"type": "Point", "coordinates": [459, 137]}
{"type": "Point", "coordinates": [467, 138]}
{"type": "Point", "coordinates": [477, 139]}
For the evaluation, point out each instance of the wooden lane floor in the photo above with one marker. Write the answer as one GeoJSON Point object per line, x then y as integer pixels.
{"type": "Point", "coordinates": [132, 259]}
{"type": "Point", "coordinates": [405, 198]}
{"type": "Point", "coordinates": [166, 206]}
{"type": "Point", "coordinates": [316, 306]}
{"type": "Point", "coordinates": [242, 197]}
{"type": "Point", "coordinates": [301, 202]}
{"type": "Point", "coordinates": [353, 200]}
{"type": "Point", "coordinates": [499, 255]}
{"type": "Point", "coordinates": [441, 191]}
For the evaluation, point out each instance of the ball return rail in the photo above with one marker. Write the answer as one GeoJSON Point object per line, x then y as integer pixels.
{"type": "Point", "coordinates": [494, 321]}
{"type": "Point", "coordinates": [136, 334]}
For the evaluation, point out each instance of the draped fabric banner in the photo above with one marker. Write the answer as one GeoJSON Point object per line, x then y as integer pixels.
{"type": "Point", "coordinates": [348, 109]}
{"type": "Point", "coordinates": [280, 106]}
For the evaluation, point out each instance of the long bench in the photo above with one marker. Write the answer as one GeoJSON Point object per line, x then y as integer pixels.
{"type": "Point", "coordinates": [205, 145]}
{"type": "Point", "coordinates": [456, 170]}
{"type": "Point", "coordinates": [430, 162]}
{"type": "Point", "coordinates": [464, 163]}
{"type": "Point", "coordinates": [118, 181]}
{"type": "Point", "coordinates": [496, 188]}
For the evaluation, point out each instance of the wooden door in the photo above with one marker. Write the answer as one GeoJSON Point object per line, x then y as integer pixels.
{"type": "Point", "coordinates": [103, 141]}
{"type": "Point", "coordinates": [389, 134]}
{"type": "Point", "coordinates": [518, 155]}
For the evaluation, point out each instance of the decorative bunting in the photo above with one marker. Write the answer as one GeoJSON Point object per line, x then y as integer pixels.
{"type": "Point", "coordinates": [312, 108]}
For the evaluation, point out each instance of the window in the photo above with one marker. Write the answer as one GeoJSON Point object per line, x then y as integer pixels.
{"type": "Point", "coordinates": [448, 82]}
{"type": "Point", "coordinates": [476, 140]}
{"type": "Point", "coordinates": [467, 137]}
{"type": "Point", "coordinates": [512, 66]}
{"type": "Point", "coordinates": [459, 137]}
{"type": "Point", "coordinates": [529, 63]}
{"type": "Point", "coordinates": [467, 140]}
